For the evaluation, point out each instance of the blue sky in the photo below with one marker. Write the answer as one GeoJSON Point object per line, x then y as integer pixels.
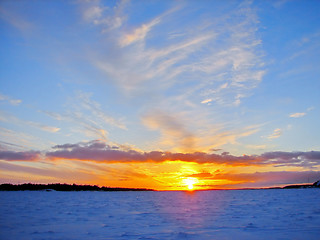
{"type": "Point", "coordinates": [177, 76]}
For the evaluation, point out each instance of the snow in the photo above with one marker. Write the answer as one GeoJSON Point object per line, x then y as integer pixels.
{"type": "Point", "coordinates": [238, 214]}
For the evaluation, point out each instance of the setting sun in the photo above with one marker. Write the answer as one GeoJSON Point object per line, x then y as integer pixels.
{"type": "Point", "coordinates": [189, 182]}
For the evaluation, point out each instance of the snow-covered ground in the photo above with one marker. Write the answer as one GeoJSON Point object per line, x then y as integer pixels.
{"type": "Point", "coordinates": [240, 214]}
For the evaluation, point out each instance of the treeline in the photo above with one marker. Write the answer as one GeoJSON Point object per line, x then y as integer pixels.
{"type": "Point", "coordinates": [314, 185]}
{"type": "Point", "coordinates": [63, 187]}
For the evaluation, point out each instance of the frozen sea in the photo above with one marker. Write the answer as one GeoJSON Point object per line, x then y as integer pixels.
{"type": "Point", "coordinates": [237, 214]}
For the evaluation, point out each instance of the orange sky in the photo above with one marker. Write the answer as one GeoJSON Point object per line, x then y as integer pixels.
{"type": "Point", "coordinates": [166, 171]}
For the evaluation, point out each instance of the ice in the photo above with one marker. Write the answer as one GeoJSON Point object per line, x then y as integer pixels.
{"type": "Point", "coordinates": [237, 214]}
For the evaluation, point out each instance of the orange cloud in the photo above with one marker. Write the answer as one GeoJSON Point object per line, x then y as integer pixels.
{"type": "Point", "coordinates": [101, 152]}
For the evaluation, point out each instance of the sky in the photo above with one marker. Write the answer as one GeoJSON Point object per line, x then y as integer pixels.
{"type": "Point", "coordinates": [160, 94]}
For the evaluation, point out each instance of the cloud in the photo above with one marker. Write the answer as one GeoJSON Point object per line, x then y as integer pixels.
{"type": "Point", "coordinates": [276, 134]}
{"type": "Point", "coordinates": [215, 58]}
{"type": "Point", "coordinates": [45, 172]}
{"type": "Point", "coordinates": [54, 115]}
{"type": "Point", "coordinates": [207, 101]}
{"type": "Point", "coordinates": [172, 129]}
{"type": "Point", "coordinates": [19, 156]}
{"type": "Point", "coordinates": [86, 103]}
{"type": "Point", "coordinates": [96, 151]}
{"type": "Point", "coordinates": [109, 18]}
{"type": "Point", "coordinates": [178, 132]}
{"type": "Point", "coordinates": [138, 34]}
{"type": "Point", "coordinates": [216, 61]}
{"type": "Point", "coordinates": [43, 127]}
{"type": "Point", "coordinates": [301, 114]}
{"type": "Point", "coordinates": [93, 12]}
{"type": "Point", "coordinates": [21, 139]}
{"type": "Point", "coordinates": [6, 145]}
{"type": "Point", "coordinates": [203, 175]}
{"type": "Point", "coordinates": [221, 55]}
{"type": "Point", "coordinates": [297, 115]}
{"type": "Point", "coordinates": [12, 119]}
{"type": "Point", "coordinates": [88, 115]}
{"type": "Point", "coordinates": [101, 152]}
{"type": "Point", "coordinates": [10, 100]}
{"type": "Point", "coordinates": [139, 67]}
{"type": "Point", "coordinates": [299, 159]}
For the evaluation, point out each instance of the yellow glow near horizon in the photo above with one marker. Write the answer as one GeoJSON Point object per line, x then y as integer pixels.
{"type": "Point", "coordinates": [189, 182]}
{"type": "Point", "coordinates": [163, 176]}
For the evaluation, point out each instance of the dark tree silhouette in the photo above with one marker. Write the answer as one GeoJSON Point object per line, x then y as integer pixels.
{"type": "Point", "coordinates": [63, 187]}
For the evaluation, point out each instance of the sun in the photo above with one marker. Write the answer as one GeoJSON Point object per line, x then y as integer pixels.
{"type": "Point", "coordinates": [189, 182]}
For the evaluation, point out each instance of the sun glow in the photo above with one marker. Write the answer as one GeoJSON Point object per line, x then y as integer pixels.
{"type": "Point", "coordinates": [189, 182]}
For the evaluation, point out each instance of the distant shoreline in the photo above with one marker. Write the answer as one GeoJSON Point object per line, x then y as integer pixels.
{"type": "Point", "coordinates": [64, 187]}
{"type": "Point", "coordinates": [77, 188]}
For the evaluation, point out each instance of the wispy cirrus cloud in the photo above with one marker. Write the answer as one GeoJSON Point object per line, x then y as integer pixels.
{"type": "Point", "coordinates": [7, 145]}
{"type": "Point", "coordinates": [44, 172]}
{"type": "Point", "coordinates": [276, 133]}
{"type": "Point", "coordinates": [301, 114]}
{"type": "Point", "coordinates": [5, 117]}
{"type": "Point", "coordinates": [20, 139]}
{"type": "Point", "coordinates": [92, 13]}
{"type": "Point", "coordinates": [86, 103]}
{"type": "Point", "coordinates": [139, 33]}
{"type": "Point", "coordinates": [43, 127]}
{"type": "Point", "coordinates": [178, 134]}
{"type": "Point", "coordinates": [172, 129]}
{"type": "Point", "coordinates": [10, 100]}
{"type": "Point", "coordinates": [207, 101]}
{"type": "Point", "coordinates": [216, 61]}
{"type": "Point", "coordinates": [109, 18]}
{"type": "Point", "coordinates": [234, 63]}
{"type": "Point", "coordinates": [297, 115]}
{"type": "Point", "coordinates": [306, 46]}
{"type": "Point", "coordinates": [173, 67]}
{"type": "Point", "coordinates": [87, 115]}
